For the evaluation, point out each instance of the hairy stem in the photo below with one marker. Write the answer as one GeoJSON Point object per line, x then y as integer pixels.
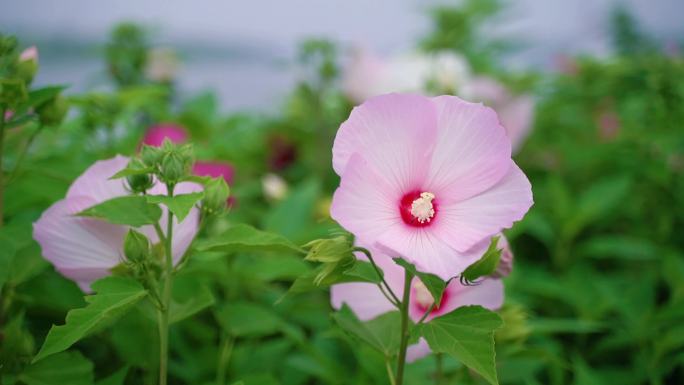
{"type": "Point", "coordinates": [401, 360]}
{"type": "Point", "coordinates": [166, 298]}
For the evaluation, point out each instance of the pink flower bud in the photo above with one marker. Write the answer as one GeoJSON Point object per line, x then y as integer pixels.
{"type": "Point", "coordinates": [30, 53]}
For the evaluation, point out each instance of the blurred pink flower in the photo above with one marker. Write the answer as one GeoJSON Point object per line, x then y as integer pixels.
{"type": "Point", "coordinates": [515, 111]}
{"type": "Point", "coordinates": [155, 135]}
{"type": "Point", "coordinates": [427, 179]}
{"type": "Point", "coordinates": [367, 302]}
{"type": "Point", "coordinates": [367, 75]}
{"type": "Point", "coordinates": [85, 249]}
{"type": "Point", "coordinates": [30, 53]}
{"type": "Point", "coordinates": [609, 125]}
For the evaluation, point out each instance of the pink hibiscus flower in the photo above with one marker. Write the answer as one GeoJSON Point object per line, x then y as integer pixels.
{"type": "Point", "coordinates": [155, 135]}
{"type": "Point", "coordinates": [85, 249]}
{"type": "Point", "coordinates": [368, 302]}
{"type": "Point", "coordinates": [427, 179]}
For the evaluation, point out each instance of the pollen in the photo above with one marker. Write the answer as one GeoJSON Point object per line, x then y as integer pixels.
{"type": "Point", "coordinates": [422, 208]}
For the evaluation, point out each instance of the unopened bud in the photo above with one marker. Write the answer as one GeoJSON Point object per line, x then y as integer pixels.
{"type": "Point", "coordinates": [52, 112]}
{"type": "Point", "coordinates": [329, 250]}
{"type": "Point", "coordinates": [173, 168]}
{"type": "Point", "coordinates": [505, 261]}
{"type": "Point", "coordinates": [151, 156]}
{"type": "Point", "coordinates": [139, 183]}
{"type": "Point", "coordinates": [136, 246]}
{"type": "Point", "coordinates": [216, 193]}
{"type": "Point", "coordinates": [28, 64]}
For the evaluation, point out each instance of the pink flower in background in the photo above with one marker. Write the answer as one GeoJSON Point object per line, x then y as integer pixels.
{"type": "Point", "coordinates": [367, 302]}
{"type": "Point", "coordinates": [609, 125]}
{"type": "Point", "coordinates": [515, 111]}
{"type": "Point", "coordinates": [427, 179]}
{"type": "Point", "coordinates": [84, 249]}
{"type": "Point", "coordinates": [30, 53]}
{"type": "Point", "coordinates": [216, 170]}
{"type": "Point", "coordinates": [367, 75]}
{"type": "Point", "coordinates": [155, 135]}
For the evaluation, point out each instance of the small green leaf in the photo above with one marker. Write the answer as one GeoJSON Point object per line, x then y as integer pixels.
{"type": "Point", "coordinates": [433, 283]}
{"type": "Point", "coordinates": [382, 333]}
{"type": "Point", "coordinates": [115, 296]}
{"type": "Point", "coordinates": [362, 271]}
{"type": "Point", "coordinates": [242, 319]}
{"type": "Point", "coordinates": [127, 210]}
{"type": "Point", "coordinates": [486, 265]}
{"type": "Point", "coordinates": [42, 95]}
{"type": "Point", "coordinates": [467, 334]}
{"type": "Point", "coordinates": [247, 238]}
{"type": "Point", "coordinates": [180, 205]}
{"type": "Point", "coordinates": [63, 368]}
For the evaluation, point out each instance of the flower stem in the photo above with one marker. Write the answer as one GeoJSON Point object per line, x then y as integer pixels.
{"type": "Point", "coordinates": [439, 370]}
{"type": "Point", "coordinates": [22, 154]}
{"type": "Point", "coordinates": [166, 299]}
{"type": "Point", "coordinates": [387, 290]}
{"type": "Point", "coordinates": [2, 182]}
{"type": "Point", "coordinates": [390, 373]}
{"type": "Point", "coordinates": [401, 361]}
{"type": "Point", "coordinates": [224, 358]}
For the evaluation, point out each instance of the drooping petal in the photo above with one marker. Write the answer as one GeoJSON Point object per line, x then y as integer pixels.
{"type": "Point", "coordinates": [82, 249]}
{"type": "Point", "coordinates": [489, 293]}
{"type": "Point", "coordinates": [466, 223]}
{"type": "Point", "coordinates": [427, 251]}
{"type": "Point", "coordinates": [364, 204]}
{"type": "Point", "coordinates": [472, 151]}
{"type": "Point", "coordinates": [417, 350]}
{"type": "Point", "coordinates": [394, 134]}
{"type": "Point", "coordinates": [365, 299]}
{"type": "Point", "coordinates": [95, 182]}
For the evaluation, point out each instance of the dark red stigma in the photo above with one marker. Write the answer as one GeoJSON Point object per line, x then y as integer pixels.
{"type": "Point", "coordinates": [423, 309]}
{"type": "Point", "coordinates": [405, 209]}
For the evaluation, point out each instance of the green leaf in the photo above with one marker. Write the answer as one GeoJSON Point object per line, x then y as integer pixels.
{"type": "Point", "coordinates": [115, 296]}
{"type": "Point", "coordinates": [180, 205]}
{"type": "Point", "coordinates": [200, 300]}
{"type": "Point", "coordinates": [64, 368]}
{"type": "Point", "coordinates": [244, 319]}
{"type": "Point", "coordinates": [330, 274]}
{"type": "Point", "coordinates": [117, 378]}
{"type": "Point", "coordinates": [127, 210]}
{"type": "Point", "coordinates": [433, 283]}
{"type": "Point", "coordinates": [362, 271]}
{"type": "Point", "coordinates": [42, 95]}
{"type": "Point", "coordinates": [382, 333]}
{"type": "Point", "coordinates": [486, 265]}
{"type": "Point", "coordinates": [467, 334]}
{"type": "Point", "coordinates": [247, 238]}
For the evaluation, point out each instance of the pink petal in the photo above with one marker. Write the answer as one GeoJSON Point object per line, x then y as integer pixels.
{"type": "Point", "coordinates": [489, 293]}
{"type": "Point", "coordinates": [472, 152]}
{"type": "Point", "coordinates": [364, 204]}
{"type": "Point", "coordinates": [418, 350]}
{"type": "Point", "coordinates": [427, 251]}
{"type": "Point", "coordinates": [81, 249]}
{"type": "Point", "coordinates": [155, 135]}
{"type": "Point", "coordinates": [365, 299]}
{"type": "Point", "coordinates": [516, 116]}
{"type": "Point", "coordinates": [30, 53]}
{"type": "Point", "coordinates": [394, 133]}
{"type": "Point", "coordinates": [464, 224]}
{"type": "Point", "coordinates": [95, 183]}
{"type": "Point", "coordinates": [214, 170]}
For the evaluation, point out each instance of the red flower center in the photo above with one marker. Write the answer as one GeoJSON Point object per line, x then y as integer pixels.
{"type": "Point", "coordinates": [418, 209]}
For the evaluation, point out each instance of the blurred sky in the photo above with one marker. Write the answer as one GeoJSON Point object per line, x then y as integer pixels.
{"type": "Point", "coordinates": [244, 49]}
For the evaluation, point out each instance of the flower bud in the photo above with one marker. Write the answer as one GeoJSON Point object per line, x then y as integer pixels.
{"type": "Point", "coordinates": [216, 193]}
{"type": "Point", "coordinates": [329, 250]}
{"type": "Point", "coordinates": [505, 261]}
{"type": "Point", "coordinates": [28, 64]}
{"type": "Point", "coordinates": [151, 156]}
{"type": "Point", "coordinates": [52, 112]}
{"type": "Point", "coordinates": [173, 168]}
{"type": "Point", "coordinates": [141, 182]}
{"type": "Point", "coordinates": [136, 246]}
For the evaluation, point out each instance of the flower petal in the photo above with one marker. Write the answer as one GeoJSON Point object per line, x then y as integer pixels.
{"type": "Point", "coordinates": [426, 251]}
{"type": "Point", "coordinates": [365, 299]}
{"type": "Point", "coordinates": [489, 293]}
{"type": "Point", "coordinates": [82, 249]}
{"type": "Point", "coordinates": [95, 182]}
{"type": "Point", "coordinates": [464, 224]}
{"type": "Point", "coordinates": [364, 204]}
{"type": "Point", "coordinates": [418, 350]}
{"type": "Point", "coordinates": [394, 133]}
{"type": "Point", "coordinates": [472, 151]}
